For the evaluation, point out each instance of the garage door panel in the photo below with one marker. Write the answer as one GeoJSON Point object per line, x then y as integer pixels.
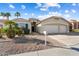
{"type": "Point", "coordinates": [50, 28]}
{"type": "Point", "coordinates": [63, 29]}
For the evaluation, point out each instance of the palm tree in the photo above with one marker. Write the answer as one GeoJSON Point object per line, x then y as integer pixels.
{"type": "Point", "coordinates": [10, 32]}
{"type": "Point", "coordinates": [17, 14]}
{"type": "Point", "coordinates": [10, 23]}
{"type": "Point", "coordinates": [7, 15]}
{"type": "Point", "coordinates": [2, 14]}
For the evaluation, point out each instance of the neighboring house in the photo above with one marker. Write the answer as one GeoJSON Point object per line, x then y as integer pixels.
{"type": "Point", "coordinates": [74, 24]}
{"type": "Point", "coordinates": [53, 24]}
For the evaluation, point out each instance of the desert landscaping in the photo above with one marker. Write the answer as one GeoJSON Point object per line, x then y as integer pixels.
{"type": "Point", "coordinates": [27, 43]}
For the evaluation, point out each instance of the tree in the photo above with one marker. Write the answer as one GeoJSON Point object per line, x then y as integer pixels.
{"type": "Point", "coordinates": [7, 15]}
{"type": "Point", "coordinates": [10, 23]}
{"type": "Point", "coordinates": [17, 14]}
{"type": "Point", "coordinates": [2, 14]}
{"type": "Point", "coordinates": [10, 32]}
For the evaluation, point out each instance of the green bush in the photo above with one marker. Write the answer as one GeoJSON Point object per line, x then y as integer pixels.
{"type": "Point", "coordinates": [75, 30]}
{"type": "Point", "coordinates": [5, 29]}
{"type": "Point", "coordinates": [10, 33]}
{"type": "Point", "coordinates": [26, 31]}
{"type": "Point", "coordinates": [0, 33]}
{"type": "Point", "coordinates": [19, 32]}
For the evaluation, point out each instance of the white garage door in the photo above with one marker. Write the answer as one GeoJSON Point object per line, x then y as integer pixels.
{"type": "Point", "coordinates": [63, 29]}
{"type": "Point", "coordinates": [50, 28]}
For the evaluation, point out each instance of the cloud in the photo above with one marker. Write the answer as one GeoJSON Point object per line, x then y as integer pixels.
{"type": "Point", "coordinates": [38, 5]}
{"type": "Point", "coordinates": [41, 17]}
{"type": "Point", "coordinates": [67, 15]}
{"type": "Point", "coordinates": [11, 6]}
{"type": "Point", "coordinates": [55, 13]}
{"type": "Point", "coordinates": [45, 6]}
{"type": "Point", "coordinates": [25, 14]}
{"type": "Point", "coordinates": [73, 4]}
{"type": "Point", "coordinates": [66, 11]}
{"type": "Point", "coordinates": [23, 6]}
{"type": "Point", "coordinates": [73, 11]}
{"type": "Point", "coordinates": [53, 5]}
{"type": "Point", "coordinates": [43, 9]}
{"type": "Point", "coordinates": [32, 15]}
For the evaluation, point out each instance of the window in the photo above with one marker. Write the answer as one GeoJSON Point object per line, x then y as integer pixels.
{"type": "Point", "coordinates": [21, 24]}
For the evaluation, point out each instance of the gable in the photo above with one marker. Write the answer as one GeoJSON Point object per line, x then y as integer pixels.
{"type": "Point", "coordinates": [54, 20]}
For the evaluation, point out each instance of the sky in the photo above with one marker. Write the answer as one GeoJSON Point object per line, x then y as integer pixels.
{"type": "Point", "coordinates": [41, 10]}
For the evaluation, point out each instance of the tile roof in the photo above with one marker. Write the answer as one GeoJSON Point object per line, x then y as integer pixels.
{"type": "Point", "coordinates": [20, 20]}
{"type": "Point", "coordinates": [56, 17]}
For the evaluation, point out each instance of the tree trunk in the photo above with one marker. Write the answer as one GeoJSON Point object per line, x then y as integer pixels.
{"type": "Point", "coordinates": [17, 17]}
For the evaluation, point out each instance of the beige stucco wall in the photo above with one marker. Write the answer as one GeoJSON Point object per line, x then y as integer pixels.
{"type": "Point", "coordinates": [54, 21]}
{"type": "Point", "coordinates": [29, 25]}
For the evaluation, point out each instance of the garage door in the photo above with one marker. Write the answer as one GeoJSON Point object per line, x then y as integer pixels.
{"type": "Point", "coordinates": [50, 28]}
{"type": "Point", "coordinates": [63, 29]}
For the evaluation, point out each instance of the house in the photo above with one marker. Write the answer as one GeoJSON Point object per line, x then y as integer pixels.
{"type": "Point", "coordinates": [2, 23]}
{"type": "Point", "coordinates": [74, 24]}
{"type": "Point", "coordinates": [34, 23]}
{"type": "Point", "coordinates": [53, 24]}
{"type": "Point", "coordinates": [23, 23]}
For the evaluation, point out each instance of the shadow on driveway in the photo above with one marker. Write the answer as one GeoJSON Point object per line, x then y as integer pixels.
{"type": "Point", "coordinates": [69, 34]}
{"type": "Point", "coordinates": [71, 48]}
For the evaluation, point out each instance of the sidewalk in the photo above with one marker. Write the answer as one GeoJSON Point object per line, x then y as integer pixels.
{"type": "Point", "coordinates": [51, 52]}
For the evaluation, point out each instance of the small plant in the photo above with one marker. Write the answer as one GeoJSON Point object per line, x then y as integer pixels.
{"type": "Point", "coordinates": [10, 33]}
{"type": "Point", "coordinates": [26, 31]}
{"type": "Point", "coordinates": [0, 33]}
{"type": "Point", "coordinates": [75, 30]}
{"type": "Point", "coordinates": [19, 33]}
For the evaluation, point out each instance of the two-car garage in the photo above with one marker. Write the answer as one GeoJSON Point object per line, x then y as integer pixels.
{"type": "Point", "coordinates": [53, 25]}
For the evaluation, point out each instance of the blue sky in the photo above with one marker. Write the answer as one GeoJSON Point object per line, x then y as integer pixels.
{"type": "Point", "coordinates": [42, 10]}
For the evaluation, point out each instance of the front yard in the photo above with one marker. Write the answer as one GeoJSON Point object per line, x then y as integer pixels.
{"type": "Point", "coordinates": [24, 44]}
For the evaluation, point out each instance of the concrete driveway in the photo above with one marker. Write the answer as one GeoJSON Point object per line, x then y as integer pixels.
{"type": "Point", "coordinates": [69, 40]}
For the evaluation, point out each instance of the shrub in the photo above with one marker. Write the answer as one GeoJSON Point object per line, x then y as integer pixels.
{"type": "Point", "coordinates": [0, 33]}
{"type": "Point", "coordinates": [19, 32]}
{"type": "Point", "coordinates": [10, 33]}
{"type": "Point", "coordinates": [26, 31]}
{"type": "Point", "coordinates": [75, 30]}
{"type": "Point", "coordinates": [5, 29]}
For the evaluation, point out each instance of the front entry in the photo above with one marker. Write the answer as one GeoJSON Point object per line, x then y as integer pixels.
{"type": "Point", "coordinates": [34, 27]}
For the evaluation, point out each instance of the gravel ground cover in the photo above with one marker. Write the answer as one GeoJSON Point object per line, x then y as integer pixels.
{"type": "Point", "coordinates": [21, 45]}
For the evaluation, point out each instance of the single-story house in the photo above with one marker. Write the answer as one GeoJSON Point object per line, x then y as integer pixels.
{"type": "Point", "coordinates": [2, 22]}
{"type": "Point", "coordinates": [23, 23]}
{"type": "Point", "coordinates": [53, 24]}
{"type": "Point", "coordinates": [20, 22]}
{"type": "Point", "coordinates": [74, 24]}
